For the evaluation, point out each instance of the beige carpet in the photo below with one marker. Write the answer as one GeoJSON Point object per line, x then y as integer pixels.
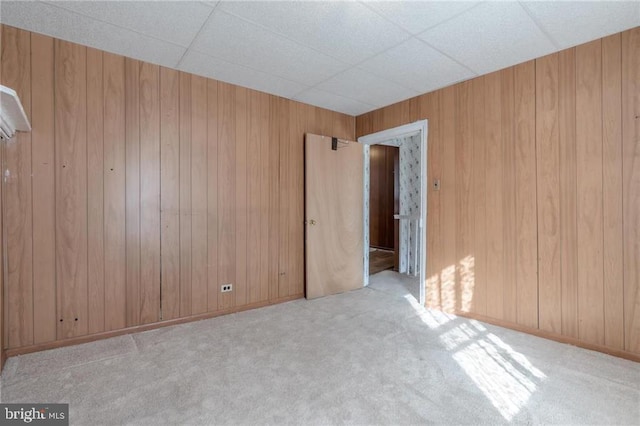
{"type": "Point", "coordinates": [371, 356]}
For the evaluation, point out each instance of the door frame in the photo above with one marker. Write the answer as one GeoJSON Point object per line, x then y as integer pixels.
{"type": "Point", "coordinates": [412, 129]}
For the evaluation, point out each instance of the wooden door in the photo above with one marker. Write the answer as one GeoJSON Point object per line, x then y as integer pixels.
{"type": "Point", "coordinates": [334, 252]}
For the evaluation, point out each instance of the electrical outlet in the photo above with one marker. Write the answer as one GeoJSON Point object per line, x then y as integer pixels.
{"type": "Point", "coordinates": [225, 288]}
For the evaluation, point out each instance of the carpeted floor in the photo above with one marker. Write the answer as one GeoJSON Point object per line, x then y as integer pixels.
{"type": "Point", "coordinates": [371, 356]}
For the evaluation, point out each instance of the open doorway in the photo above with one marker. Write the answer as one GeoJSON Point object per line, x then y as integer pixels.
{"type": "Point", "coordinates": [395, 169]}
{"type": "Point", "coordinates": [384, 203]}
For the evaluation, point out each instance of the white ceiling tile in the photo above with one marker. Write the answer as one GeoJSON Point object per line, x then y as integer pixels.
{"type": "Point", "coordinates": [346, 30]}
{"type": "Point", "coordinates": [573, 23]}
{"type": "Point", "coordinates": [415, 65]}
{"type": "Point", "coordinates": [44, 18]}
{"type": "Point", "coordinates": [417, 16]}
{"type": "Point", "coordinates": [198, 63]}
{"type": "Point", "coordinates": [366, 88]}
{"type": "Point", "coordinates": [240, 42]}
{"type": "Point", "coordinates": [176, 22]}
{"type": "Point", "coordinates": [489, 37]}
{"type": "Point", "coordinates": [333, 102]}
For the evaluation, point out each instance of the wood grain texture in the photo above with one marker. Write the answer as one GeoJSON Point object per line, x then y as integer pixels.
{"type": "Point", "coordinates": [274, 198]}
{"type": "Point", "coordinates": [43, 184]}
{"type": "Point", "coordinates": [226, 193]}
{"type": "Point", "coordinates": [466, 269]}
{"type": "Point", "coordinates": [333, 183]}
{"type": "Point", "coordinates": [631, 186]}
{"type": "Point", "coordinates": [448, 194]}
{"type": "Point", "coordinates": [150, 225]}
{"type": "Point", "coordinates": [475, 265]}
{"type": "Point", "coordinates": [613, 243]}
{"type": "Point", "coordinates": [115, 260]}
{"type": "Point", "coordinates": [494, 165]}
{"type": "Point", "coordinates": [381, 196]}
{"type": "Point", "coordinates": [16, 71]}
{"type": "Point", "coordinates": [285, 196]}
{"type": "Point", "coordinates": [137, 216]}
{"type": "Point", "coordinates": [199, 196]}
{"type": "Point", "coordinates": [213, 285]}
{"type": "Point", "coordinates": [241, 114]}
{"type": "Point", "coordinates": [589, 191]}
{"type": "Point", "coordinates": [132, 188]}
{"type": "Point", "coordinates": [185, 216]}
{"type": "Point", "coordinates": [566, 126]}
{"type": "Point", "coordinates": [526, 195]}
{"type": "Point", "coordinates": [95, 191]}
{"type": "Point", "coordinates": [71, 189]}
{"type": "Point", "coordinates": [568, 190]}
{"type": "Point", "coordinates": [255, 179]}
{"type": "Point", "coordinates": [170, 192]}
{"type": "Point", "coordinates": [507, 122]}
{"type": "Point", "coordinates": [548, 166]}
{"type": "Point", "coordinates": [429, 107]}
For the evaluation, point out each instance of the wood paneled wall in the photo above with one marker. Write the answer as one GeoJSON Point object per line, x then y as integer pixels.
{"type": "Point", "coordinates": [381, 199]}
{"type": "Point", "coordinates": [141, 190]}
{"type": "Point", "coordinates": [537, 223]}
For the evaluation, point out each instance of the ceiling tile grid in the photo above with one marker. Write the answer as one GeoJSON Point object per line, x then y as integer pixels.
{"type": "Point", "coordinates": [575, 22]}
{"type": "Point", "coordinates": [348, 56]}
{"type": "Point", "coordinates": [489, 37]}
{"type": "Point", "coordinates": [200, 64]}
{"type": "Point", "coordinates": [417, 66]}
{"type": "Point", "coordinates": [54, 21]}
{"type": "Point", "coordinates": [348, 31]}
{"type": "Point", "coordinates": [237, 41]}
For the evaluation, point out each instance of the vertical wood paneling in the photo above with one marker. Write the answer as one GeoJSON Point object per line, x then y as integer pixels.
{"type": "Point", "coordinates": [114, 193]}
{"type": "Point", "coordinates": [494, 196]}
{"type": "Point", "coordinates": [448, 190]}
{"type": "Point", "coordinates": [213, 285]}
{"type": "Point", "coordinates": [170, 192]}
{"type": "Point", "coordinates": [548, 166]}
{"type": "Point", "coordinates": [430, 108]}
{"type": "Point", "coordinates": [509, 303]}
{"type": "Point", "coordinates": [296, 201]}
{"type": "Point", "coordinates": [551, 226]}
{"type": "Point", "coordinates": [254, 198]}
{"type": "Point", "coordinates": [631, 186]}
{"type": "Point", "coordinates": [589, 191]}
{"type": "Point", "coordinates": [240, 284]}
{"type": "Point", "coordinates": [16, 72]}
{"type": "Point", "coordinates": [95, 190]}
{"type": "Point", "coordinates": [43, 186]}
{"type": "Point", "coordinates": [568, 185]}
{"type": "Point", "coordinates": [199, 195]}
{"type": "Point", "coordinates": [226, 192]}
{"type": "Point", "coordinates": [526, 195]}
{"type": "Point", "coordinates": [71, 188]}
{"type": "Point", "coordinates": [274, 197]}
{"type": "Point", "coordinates": [149, 96]}
{"type": "Point", "coordinates": [132, 182]}
{"type": "Point", "coordinates": [474, 266]}
{"type": "Point", "coordinates": [612, 192]}
{"type": "Point", "coordinates": [465, 203]}
{"type": "Point", "coordinates": [284, 210]}
{"type": "Point", "coordinates": [185, 194]}
{"type": "Point", "coordinates": [150, 189]}
{"type": "Point", "coordinates": [265, 195]}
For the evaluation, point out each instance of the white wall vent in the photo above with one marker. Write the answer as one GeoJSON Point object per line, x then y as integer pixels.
{"type": "Point", "coordinates": [12, 115]}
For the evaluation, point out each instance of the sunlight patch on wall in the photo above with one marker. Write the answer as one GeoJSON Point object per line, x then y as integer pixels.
{"type": "Point", "coordinates": [467, 281]}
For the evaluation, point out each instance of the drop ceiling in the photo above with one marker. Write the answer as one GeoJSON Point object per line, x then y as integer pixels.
{"type": "Point", "coordinates": [346, 56]}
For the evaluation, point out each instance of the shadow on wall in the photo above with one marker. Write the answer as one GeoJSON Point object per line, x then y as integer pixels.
{"type": "Point", "coordinates": [441, 288]}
